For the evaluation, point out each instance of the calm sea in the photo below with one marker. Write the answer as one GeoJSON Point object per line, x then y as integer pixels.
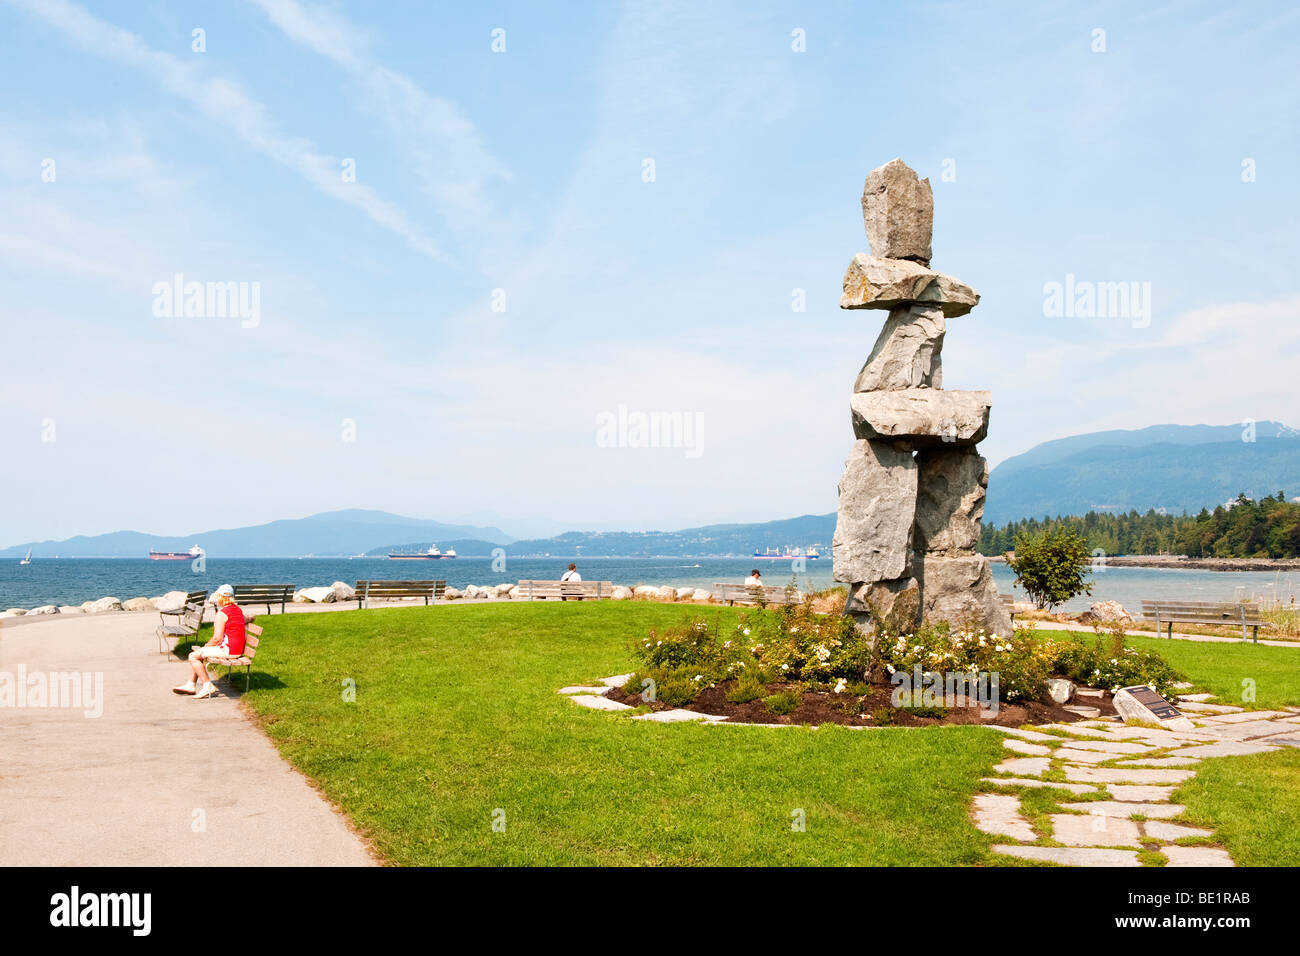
{"type": "Point", "coordinates": [73, 580]}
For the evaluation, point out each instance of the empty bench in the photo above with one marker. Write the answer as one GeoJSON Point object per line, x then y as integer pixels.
{"type": "Point", "coordinates": [755, 594]}
{"type": "Point", "coordinates": [392, 590]}
{"type": "Point", "coordinates": [188, 620]}
{"type": "Point", "coordinates": [565, 590]}
{"type": "Point", "coordinates": [267, 594]}
{"type": "Point", "coordinates": [1230, 614]}
{"type": "Point", "coordinates": [252, 633]}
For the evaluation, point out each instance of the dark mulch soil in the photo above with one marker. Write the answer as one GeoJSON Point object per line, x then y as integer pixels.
{"type": "Point", "coordinates": [829, 708]}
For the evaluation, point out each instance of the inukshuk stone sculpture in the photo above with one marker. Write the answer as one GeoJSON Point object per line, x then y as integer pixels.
{"type": "Point", "coordinates": [912, 493]}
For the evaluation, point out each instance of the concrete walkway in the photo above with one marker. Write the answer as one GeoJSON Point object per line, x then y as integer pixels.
{"type": "Point", "coordinates": [157, 779]}
{"type": "Point", "coordinates": [1204, 638]}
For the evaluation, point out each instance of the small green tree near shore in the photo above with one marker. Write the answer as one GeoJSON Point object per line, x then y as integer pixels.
{"type": "Point", "coordinates": [1052, 566]}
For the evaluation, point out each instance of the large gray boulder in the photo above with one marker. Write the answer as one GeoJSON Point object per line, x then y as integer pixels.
{"type": "Point", "coordinates": [906, 353]}
{"type": "Point", "coordinates": [873, 283]}
{"type": "Point", "coordinates": [343, 591]}
{"type": "Point", "coordinates": [951, 482]}
{"type": "Point", "coordinates": [44, 609]}
{"type": "Point", "coordinates": [102, 605]}
{"type": "Point", "coordinates": [897, 601]}
{"type": "Point", "coordinates": [137, 604]}
{"type": "Point", "coordinates": [922, 417]}
{"type": "Point", "coordinates": [960, 590]}
{"type": "Point", "coordinates": [873, 531]}
{"type": "Point", "coordinates": [898, 211]}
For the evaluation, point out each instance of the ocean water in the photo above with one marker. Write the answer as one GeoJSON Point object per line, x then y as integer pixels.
{"type": "Point", "coordinates": [73, 580]}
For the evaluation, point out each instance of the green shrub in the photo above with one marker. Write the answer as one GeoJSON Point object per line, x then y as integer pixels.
{"type": "Point", "coordinates": [675, 689]}
{"type": "Point", "coordinates": [744, 690]}
{"type": "Point", "coordinates": [1052, 566]}
{"type": "Point", "coordinates": [883, 715]}
{"type": "Point", "coordinates": [1099, 663]}
{"type": "Point", "coordinates": [782, 702]}
{"type": "Point", "coordinates": [1022, 665]}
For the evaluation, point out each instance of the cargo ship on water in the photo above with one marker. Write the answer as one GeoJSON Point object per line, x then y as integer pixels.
{"type": "Point", "coordinates": [789, 554]}
{"type": "Point", "coordinates": [433, 554]}
{"type": "Point", "coordinates": [189, 555]}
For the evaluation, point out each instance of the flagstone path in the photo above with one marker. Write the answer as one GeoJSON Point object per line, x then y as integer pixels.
{"type": "Point", "coordinates": [1137, 768]}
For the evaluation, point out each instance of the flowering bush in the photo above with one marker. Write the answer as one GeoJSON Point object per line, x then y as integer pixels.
{"type": "Point", "coordinates": [1022, 666]}
{"type": "Point", "coordinates": [1095, 664]}
{"type": "Point", "coordinates": [827, 653]}
{"type": "Point", "coordinates": [795, 643]}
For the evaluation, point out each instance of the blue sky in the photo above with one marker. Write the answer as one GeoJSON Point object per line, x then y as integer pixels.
{"type": "Point", "coordinates": [522, 171]}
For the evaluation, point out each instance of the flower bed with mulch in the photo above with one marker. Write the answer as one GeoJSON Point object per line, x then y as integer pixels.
{"type": "Point", "coordinates": [874, 709]}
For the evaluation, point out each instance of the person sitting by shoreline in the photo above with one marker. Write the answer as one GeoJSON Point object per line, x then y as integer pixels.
{"type": "Point", "coordinates": [754, 581]}
{"type": "Point", "coordinates": [227, 641]}
{"type": "Point", "coordinates": [571, 574]}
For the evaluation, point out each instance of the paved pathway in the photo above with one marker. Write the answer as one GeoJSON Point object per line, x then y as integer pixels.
{"type": "Point", "coordinates": [1137, 768]}
{"type": "Point", "coordinates": [1177, 636]}
{"type": "Point", "coordinates": [158, 779]}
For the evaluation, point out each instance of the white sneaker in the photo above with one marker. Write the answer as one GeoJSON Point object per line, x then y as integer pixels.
{"type": "Point", "coordinates": [208, 690]}
{"type": "Point", "coordinates": [184, 688]}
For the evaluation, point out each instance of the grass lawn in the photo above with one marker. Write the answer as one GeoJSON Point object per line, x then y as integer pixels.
{"type": "Point", "coordinates": [1222, 669]}
{"type": "Point", "coordinates": [456, 715]}
{"type": "Point", "coordinates": [1252, 802]}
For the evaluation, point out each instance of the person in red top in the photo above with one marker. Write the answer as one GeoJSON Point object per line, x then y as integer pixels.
{"type": "Point", "coordinates": [227, 641]}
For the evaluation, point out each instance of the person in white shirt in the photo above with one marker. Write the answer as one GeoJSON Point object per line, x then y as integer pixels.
{"type": "Point", "coordinates": [754, 581]}
{"type": "Point", "coordinates": [571, 574]}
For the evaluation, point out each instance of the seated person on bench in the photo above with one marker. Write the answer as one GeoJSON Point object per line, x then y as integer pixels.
{"type": "Point", "coordinates": [754, 581]}
{"type": "Point", "coordinates": [227, 641]}
{"type": "Point", "coordinates": [571, 574]}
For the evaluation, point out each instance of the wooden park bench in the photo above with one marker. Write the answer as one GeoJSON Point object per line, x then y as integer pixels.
{"type": "Point", "coordinates": [565, 590]}
{"type": "Point", "coordinates": [188, 620]}
{"type": "Point", "coordinates": [1231, 614]}
{"type": "Point", "coordinates": [429, 590]}
{"type": "Point", "coordinates": [755, 594]}
{"type": "Point", "coordinates": [1009, 603]}
{"type": "Point", "coordinates": [267, 594]}
{"type": "Point", "coordinates": [252, 632]}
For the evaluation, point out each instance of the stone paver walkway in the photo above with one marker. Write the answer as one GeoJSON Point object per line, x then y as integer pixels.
{"type": "Point", "coordinates": [1137, 770]}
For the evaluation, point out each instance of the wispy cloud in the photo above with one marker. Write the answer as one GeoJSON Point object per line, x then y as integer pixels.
{"type": "Point", "coordinates": [225, 102]}
{"type": "Point", "coordinates": [446, 149]}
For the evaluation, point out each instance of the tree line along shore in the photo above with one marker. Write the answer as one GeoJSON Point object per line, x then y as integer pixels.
{"type": "Point", "coordinates": [1242, 535]}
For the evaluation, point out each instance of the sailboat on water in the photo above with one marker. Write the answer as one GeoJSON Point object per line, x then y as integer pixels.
{"type": "Point", "coordinates": [28, 559]}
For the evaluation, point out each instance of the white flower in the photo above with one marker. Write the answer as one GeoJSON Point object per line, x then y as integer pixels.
{"type": "Point", "coordinates": [840, 685]}
{"type": "Point", "coordinates": [699, 677]}
{"type": "Point", "coordinates": [785, 667]}
{"type": "Point", "coordinates": [747, 632]}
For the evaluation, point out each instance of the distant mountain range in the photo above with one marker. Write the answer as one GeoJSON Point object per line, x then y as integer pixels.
{"type": "Point", "coordinates": [328, 534]}
{"type": "Point", "coordinates": [1180, 468]}
{"type": "Point", "coordinates": [713, 540]}
{"type": "Point", "coordinates": [1175, 467]}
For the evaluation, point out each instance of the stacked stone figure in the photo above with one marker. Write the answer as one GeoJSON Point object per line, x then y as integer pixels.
{"type": "Point", "coordinates": [912, 493]}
